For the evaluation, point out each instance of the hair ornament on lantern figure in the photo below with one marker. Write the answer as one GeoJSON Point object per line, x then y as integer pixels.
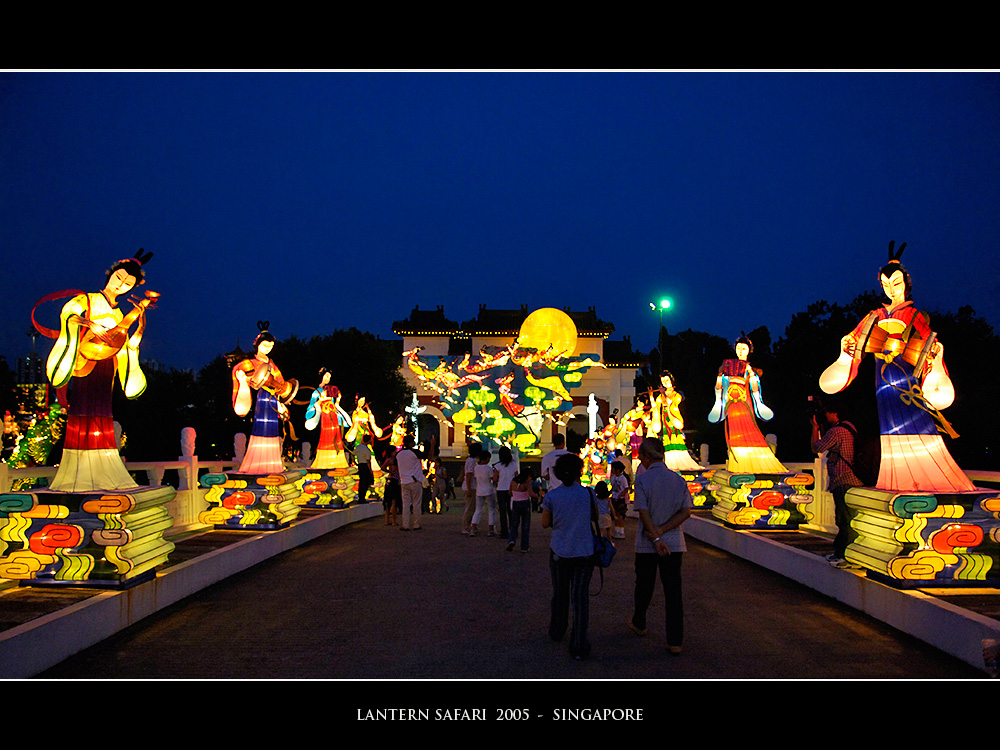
{"type": "Point", "coordinates": [912, 386]}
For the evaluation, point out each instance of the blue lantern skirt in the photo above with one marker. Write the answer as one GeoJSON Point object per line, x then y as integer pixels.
{"type": "Point", "coordinates": [900, 407]}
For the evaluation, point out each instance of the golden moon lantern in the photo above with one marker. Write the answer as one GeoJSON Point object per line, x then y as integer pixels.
{"type": "Point", "coordinates": [549, 327]}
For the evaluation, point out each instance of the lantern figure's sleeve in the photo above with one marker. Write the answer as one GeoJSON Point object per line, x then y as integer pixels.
{"type": "Point", "coordinates": [759, 407]}
{"type": "Point", "coordinates": [62, 359]}
{"type": "Point", "coordinates": [130, 375]}
{"type": "Point", "coordinates": [242, 397]}
{"type": "Point", "coordinates": [718, 412]}
{"type": "Point", "coordinates": [312, 411]}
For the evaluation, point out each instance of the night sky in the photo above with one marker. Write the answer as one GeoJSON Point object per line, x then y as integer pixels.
{"type": "Point", "coordinates": [324, 200]}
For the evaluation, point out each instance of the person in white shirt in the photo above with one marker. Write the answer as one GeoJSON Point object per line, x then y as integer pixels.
{"type": "Point", "coordinates": [411, 483]}
{"type": "Point", "coordinates": [484, 494]}
{"type": "Point", "coordinates": [549, 462]}
{"type": "Point", "coordinates": [503, 472]}
{"type": "Point", "coordinates": [468, 482]}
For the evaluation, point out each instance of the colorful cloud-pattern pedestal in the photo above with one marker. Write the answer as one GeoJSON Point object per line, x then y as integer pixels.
{"type": "Point", "coordinates": [329, 488]}
{"type": "Point", "coordinates": [111, 539]}
{"type": "Point", "coordinates": [915, 539]}
{"type": "Point", "coordinates": [254, 502]}
{"type": "Point", "coordinates": [700, 485]}
{"type": "Point", "coordinates": [761, 501]}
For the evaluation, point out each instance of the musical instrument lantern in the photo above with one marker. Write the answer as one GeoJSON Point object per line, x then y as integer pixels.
{"type": "Point", "coordinates": [96, 346]}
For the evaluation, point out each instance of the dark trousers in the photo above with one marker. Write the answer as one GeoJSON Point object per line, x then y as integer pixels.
{"type": "Point", "coordinates": [669, 567]}
{"type": "Point", "coordinates": [365, 480]}
{"type": "Point", "coordinates": [571, 585]}
{"type": "Point", "coordinates": [503, 509]}
{"type": "Point", "coordinates": [520, 516]}
{"type": "Point", "coordinates": [843, 516]}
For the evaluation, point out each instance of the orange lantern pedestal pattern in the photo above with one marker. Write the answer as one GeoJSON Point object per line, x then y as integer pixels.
{"type": "Point", "coordinates": [761, 501]}
{"type": "Point", "coordinates": [916, 539]}
{"type": "Point", "coordinates": [110, 539]}
{"type": "Point", "coordinates": [254, 502]}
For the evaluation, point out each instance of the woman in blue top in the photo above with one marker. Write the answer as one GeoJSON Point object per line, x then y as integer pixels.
{"type": "Point", "coordinates": [567, 511]}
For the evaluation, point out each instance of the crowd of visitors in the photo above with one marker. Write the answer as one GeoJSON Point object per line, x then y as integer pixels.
{"type": "Point", "coordinates": [501, 491]}
{"type": "Point", "coordinates": [502, 494]}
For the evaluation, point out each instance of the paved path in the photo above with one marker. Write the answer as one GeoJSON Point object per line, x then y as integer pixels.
{"type": "Point", "coordinates": [372, 602]}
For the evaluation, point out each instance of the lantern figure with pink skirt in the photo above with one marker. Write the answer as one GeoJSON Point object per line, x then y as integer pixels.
{"type": "Point", "coordinates": [755, 489]}
{"type": "Point", "coordinates": [331, 481]}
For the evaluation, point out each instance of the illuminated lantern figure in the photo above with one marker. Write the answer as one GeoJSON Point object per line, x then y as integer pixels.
{"type": "Point", "coordinates": [668, 425]}
{"type": "Point", "coordinates": [92, 346]}
{"type": "Point", "coordinates": [754, 490]}
{"type": "Point", "coordinates": [331, 481]}
{"type": "Point", "coordinates": [911, 386]}
{"type": "Point", "coordinates": [924, 523]}
{"type": "Point", "coordinates": [324, 411]}
{"type": "Point", "coordinates": [503, 395]}
{"type": "Point", "coordinates": [364, 430]}
{"type": "Point", "coordinates": [398, 432]}
{"type": "Point", "coordinates": [259, 374]}
{"type": "Point", "coordinates": [737, 400]}
{"type": "Point", "coordinates": [261, 494]}
{"type": "Point", "coordinates": [634, 427]}
{"type": "Point", "coordinates": [93, 525]}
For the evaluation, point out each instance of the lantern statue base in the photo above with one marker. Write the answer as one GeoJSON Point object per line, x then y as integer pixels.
{"type": "Point", "coordinates": [700, 486]}
{"type": "Point", "coordinates": [922, 539]}
{"type": "Point", "coordinates": [107, 539]}
{"type": "Point", "coordinates": [254, 502]}
{"type": "Point", "coordinates": [761, 501]}
{"type": "Point", "coordinates": [329, 488]}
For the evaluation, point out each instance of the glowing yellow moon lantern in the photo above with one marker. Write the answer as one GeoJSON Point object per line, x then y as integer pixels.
{"type": "Point", "coordinates": [549, 327]}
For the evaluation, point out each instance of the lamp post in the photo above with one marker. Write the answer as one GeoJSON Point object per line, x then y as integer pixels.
{"type": "Point", "coordinates": [663, 305]}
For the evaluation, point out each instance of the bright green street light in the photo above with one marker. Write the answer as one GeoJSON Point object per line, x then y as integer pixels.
{"type": "Point", "coordinates": [665, 304]}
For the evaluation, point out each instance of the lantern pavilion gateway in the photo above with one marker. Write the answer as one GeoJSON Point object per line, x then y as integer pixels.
{"type": "Point", "coordinates": [611, 382]}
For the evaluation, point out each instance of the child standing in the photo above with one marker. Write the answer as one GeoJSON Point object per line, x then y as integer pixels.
{"type": "Point", "coordinates": [619, 497]}
{"type": "Point", "coordinates": [603, 509]}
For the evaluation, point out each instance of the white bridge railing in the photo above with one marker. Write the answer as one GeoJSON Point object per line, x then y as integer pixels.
{"type": "Point", "coordinates": [190, 499]}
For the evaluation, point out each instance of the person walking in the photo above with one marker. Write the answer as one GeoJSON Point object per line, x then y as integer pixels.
{"type": "Point", "coordinates": [503, 473]}
{"type": "Point", "coordinates": [838, 442]}
{"type": "Point", "coordinates": [619, 497]}
{"type": "Point", "coordinates": [663, 502]}
{"type": "Point", "coordinates": [363, 457]}
{"type": "Point", "coordinates": [468, 482]}
{"type": "Point", "coordinates": [521, 493]}
{"type": "Point", "coordinates": [567, 511]}
{"type": "Point", "coordinates": [549, 461]}
{"type": "Point", "coordinates": [485, 495]}
{"type": "Point", "coordinates": [411, 483]}
{"type": "Point", "coordinates": [392, 497]}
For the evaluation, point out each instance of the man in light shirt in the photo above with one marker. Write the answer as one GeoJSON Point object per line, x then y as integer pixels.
{"type": "Point", "coordinates": [549, 462]}
{"type": "Point", "coordinates": [411, 483]}
{"type": "Point", "coordinates": [663, 502]}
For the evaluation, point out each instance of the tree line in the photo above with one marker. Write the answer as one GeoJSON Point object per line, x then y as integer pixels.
{"type": "Point", "coordinates": [790, 367]}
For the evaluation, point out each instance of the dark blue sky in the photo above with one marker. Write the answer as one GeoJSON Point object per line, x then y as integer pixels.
{"type": "Point", "coordinates": [328, 200]}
